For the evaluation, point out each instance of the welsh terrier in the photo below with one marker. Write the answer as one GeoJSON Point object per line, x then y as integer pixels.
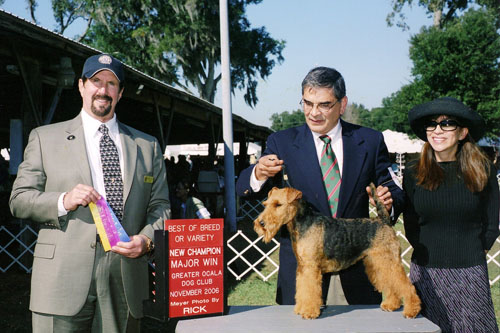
{"type": "Point", "coordinates": [323, 244]}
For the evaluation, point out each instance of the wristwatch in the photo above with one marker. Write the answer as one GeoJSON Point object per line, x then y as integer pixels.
{"type": "Point", "coordinates": [150, 246]}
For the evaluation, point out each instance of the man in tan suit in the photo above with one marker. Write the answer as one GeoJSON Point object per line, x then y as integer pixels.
{"type": "Point", "coordinates": [76, 285]}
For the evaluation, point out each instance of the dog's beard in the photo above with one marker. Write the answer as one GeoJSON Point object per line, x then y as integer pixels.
{"type": "Point", "coordinates": [267, 231]}
{"type": "Point", "coordinates": [258, 228]}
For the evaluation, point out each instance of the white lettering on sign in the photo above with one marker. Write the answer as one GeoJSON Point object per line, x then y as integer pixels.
{"type": "Point", "coordinates": [184, 293]}
{"type": "Point", "coordinates": [200, 301]}
{"type": "Point", "coordinates": [210, 261]}
{"type": "Point", "coordinates": [183, 263]}
{"type": "Point", "coordinates": [211, 227]}
{"type": "Point", "coordinates": [204, 251]}
{"type": "Point", "coordinates": [187, 275]}
{"type": "Point", "coordinates": [200, 238]}
{"type": "Point", "coordinates": [211, 273]}
{"type": "Point", "coordinates": [175, 228]}
{"type": "Point", "coordinates": [194, 310]}
{"type": "Point", "coordinates": [203, 282]}
{"type": "Point", "coordinates": [177, 252]}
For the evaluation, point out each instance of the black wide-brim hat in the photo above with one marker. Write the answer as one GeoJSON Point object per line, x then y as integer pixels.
{"type": "Point", "coordinates": [420, 114]}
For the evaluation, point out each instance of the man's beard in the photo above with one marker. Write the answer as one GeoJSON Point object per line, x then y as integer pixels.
{"type": "Point", "coordinates": [102, 111]}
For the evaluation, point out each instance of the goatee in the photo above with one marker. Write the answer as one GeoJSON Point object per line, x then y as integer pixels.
{"type": "Point", "coordinates": [102, 111]}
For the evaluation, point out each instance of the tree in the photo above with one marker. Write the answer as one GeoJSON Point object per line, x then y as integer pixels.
{"type": "Point", "coordinates": [460, 60]}
{"type": "Point", "coordinates": [284, 120]}
{"type": "Point", "coordinates": [395, 108]}
{"type": "Point", "coordinates": [357, 114]}
{"type": "Point", "coordinates": [68, 11]}
{"type": "Point", "coordinates": [179, 42]}
{"type": "Point", "coordinates": [175, 41]}
{"type": "Point", "coordinates": [31, 6]}
{"type": "Point", "coordinates": [443, 11]}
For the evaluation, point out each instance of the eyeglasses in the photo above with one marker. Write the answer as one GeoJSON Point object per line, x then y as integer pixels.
{"type": "Point", "coordinates": [445, 125]}
{"type": "Point", "coordinates": [322, 107]}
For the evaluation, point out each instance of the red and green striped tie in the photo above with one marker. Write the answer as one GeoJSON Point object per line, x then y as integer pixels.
{"type": "Point", "coordinates": [331, 174]}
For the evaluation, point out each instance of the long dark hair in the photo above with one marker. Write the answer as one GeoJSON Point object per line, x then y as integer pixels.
{"type": "Point", "coordinates": [473, 165]}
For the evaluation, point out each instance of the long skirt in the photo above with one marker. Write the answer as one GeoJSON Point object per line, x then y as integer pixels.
{"type": "Point", "coordinates": [456, 299]}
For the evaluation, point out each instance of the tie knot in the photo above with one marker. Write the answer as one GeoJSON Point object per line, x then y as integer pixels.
{"type": "Point", "coordinates": [325, 138]}
{"type": "Point", "coordinates": [104, 129]}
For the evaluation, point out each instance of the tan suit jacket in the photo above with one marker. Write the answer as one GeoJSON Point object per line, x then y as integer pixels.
{"type": "Point", "coordinates": [55, 160]}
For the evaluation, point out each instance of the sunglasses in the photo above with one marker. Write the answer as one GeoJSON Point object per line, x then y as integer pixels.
{"type": "Point", "coordinates": [445, 125]}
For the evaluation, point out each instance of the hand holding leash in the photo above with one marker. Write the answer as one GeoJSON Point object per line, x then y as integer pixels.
{"type": "Point", "coordinates": [268, 166]}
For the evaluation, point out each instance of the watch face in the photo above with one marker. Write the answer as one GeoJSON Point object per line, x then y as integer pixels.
{"type": "Point", "coordinates": [150, 246]}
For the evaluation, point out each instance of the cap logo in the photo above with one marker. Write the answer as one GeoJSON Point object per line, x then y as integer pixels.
{"type": "Point", "coordinates": [105, 59]}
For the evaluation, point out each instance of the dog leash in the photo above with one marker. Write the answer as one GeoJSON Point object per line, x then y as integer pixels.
{"type": "Point", "coordinates": [286, 183]}
{"type": "Point", "coordinates": [284, 176]}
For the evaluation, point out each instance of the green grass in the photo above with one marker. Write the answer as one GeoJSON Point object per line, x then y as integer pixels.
{"type": "Point", "coordinates": [251, 289]}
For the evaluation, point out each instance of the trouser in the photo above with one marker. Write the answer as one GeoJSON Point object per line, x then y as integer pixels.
{"type": "Point", "coordinates": [105, 309]}
{"type": "Point", "coordinates": [335, 294]}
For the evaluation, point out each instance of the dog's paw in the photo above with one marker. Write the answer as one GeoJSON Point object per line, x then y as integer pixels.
{"type": "Point", "coordinates": [390, 305]}
{"type": "Point", "coordinates": [307, 313]}
{"type": "Point", "coordinates": [411, 310]}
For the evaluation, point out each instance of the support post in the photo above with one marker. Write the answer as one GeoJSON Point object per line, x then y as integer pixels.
{"type": "Point", "coordinates": [227, 120]}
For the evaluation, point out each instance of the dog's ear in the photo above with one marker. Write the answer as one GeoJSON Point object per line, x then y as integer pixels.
{"type": "Point", "coordinates": [293, 194]}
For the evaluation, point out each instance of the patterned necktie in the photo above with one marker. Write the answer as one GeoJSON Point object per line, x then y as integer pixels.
{"type": "Point", "coordinates": [111, 171]}
{"type": "Point", "coordinates": [331, 174]}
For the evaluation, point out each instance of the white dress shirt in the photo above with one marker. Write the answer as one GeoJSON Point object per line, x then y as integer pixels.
{"type": "Point", "coordinates": [335, 135]}
{"type": "Point", "coordinates": [92, 138]}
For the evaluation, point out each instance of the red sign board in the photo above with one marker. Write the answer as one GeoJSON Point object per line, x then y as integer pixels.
{"type": "Point", "coordinates": [195, 267]}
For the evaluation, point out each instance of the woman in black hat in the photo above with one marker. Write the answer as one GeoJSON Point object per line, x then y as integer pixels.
{"type": "Point", "coordinates": [451, 217]}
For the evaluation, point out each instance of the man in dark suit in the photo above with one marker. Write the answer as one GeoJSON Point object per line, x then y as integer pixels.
{"type": "Point", "coordinates": [362, 158]}
{"type": "Point", "coordinates": [76, 286]}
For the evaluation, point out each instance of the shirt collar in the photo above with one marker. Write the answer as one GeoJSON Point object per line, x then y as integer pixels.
{"type": "Point", "coordinates": [92, 125]}
{"type": "Point", "coordinates": [334, 133]}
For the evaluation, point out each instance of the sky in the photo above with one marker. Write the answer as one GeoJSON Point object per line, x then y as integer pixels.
{"type": "Point", "coordinates": [351, 36]}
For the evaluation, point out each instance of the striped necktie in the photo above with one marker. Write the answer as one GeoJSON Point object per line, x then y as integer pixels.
{"type": "Point", "coordinates": [331, 174]}
{"type": "Point", "coordinates": [113, 183]}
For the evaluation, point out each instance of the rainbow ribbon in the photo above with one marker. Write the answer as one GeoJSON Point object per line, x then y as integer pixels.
{"type": "Point", "coordinates": [109, 228]}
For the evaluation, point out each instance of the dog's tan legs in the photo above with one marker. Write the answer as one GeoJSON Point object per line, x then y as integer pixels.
{"type": "Point", "coordinates": [385, 271]}
{"type": "Point", "coordinates": [308, 291]}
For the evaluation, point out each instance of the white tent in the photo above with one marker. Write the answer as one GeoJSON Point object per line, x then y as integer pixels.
{"type": "Point", "coordinates": [202, 149]}
{"type": "Point", "coordinates": [400, 142]}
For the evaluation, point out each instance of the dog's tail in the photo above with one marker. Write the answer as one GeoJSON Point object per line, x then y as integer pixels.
{"type": "Point", "coordinates": [381, 210]}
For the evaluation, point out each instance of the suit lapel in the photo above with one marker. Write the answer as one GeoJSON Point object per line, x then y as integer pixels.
{"type": "Point", "coordinates": [354, 159]}
{"type": "Point", "coordinates": [309, 165]}
{"type": "Point", "coordinates": [77, 151]}
{"type": "Point", "coordinates": [129, 159]}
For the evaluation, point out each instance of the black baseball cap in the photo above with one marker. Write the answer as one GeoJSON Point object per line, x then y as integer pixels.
{"type": "Point", "coordinates": [99, 62]}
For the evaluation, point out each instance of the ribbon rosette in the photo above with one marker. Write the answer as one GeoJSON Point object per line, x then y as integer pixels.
{"type": "Point", "coordinates": [109, 228]}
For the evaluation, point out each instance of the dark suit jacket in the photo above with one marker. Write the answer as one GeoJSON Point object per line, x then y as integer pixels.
{"type": "Point", "coordinates": [366, 160]}
{"type": "Point", "coordinates": [55, 160]}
